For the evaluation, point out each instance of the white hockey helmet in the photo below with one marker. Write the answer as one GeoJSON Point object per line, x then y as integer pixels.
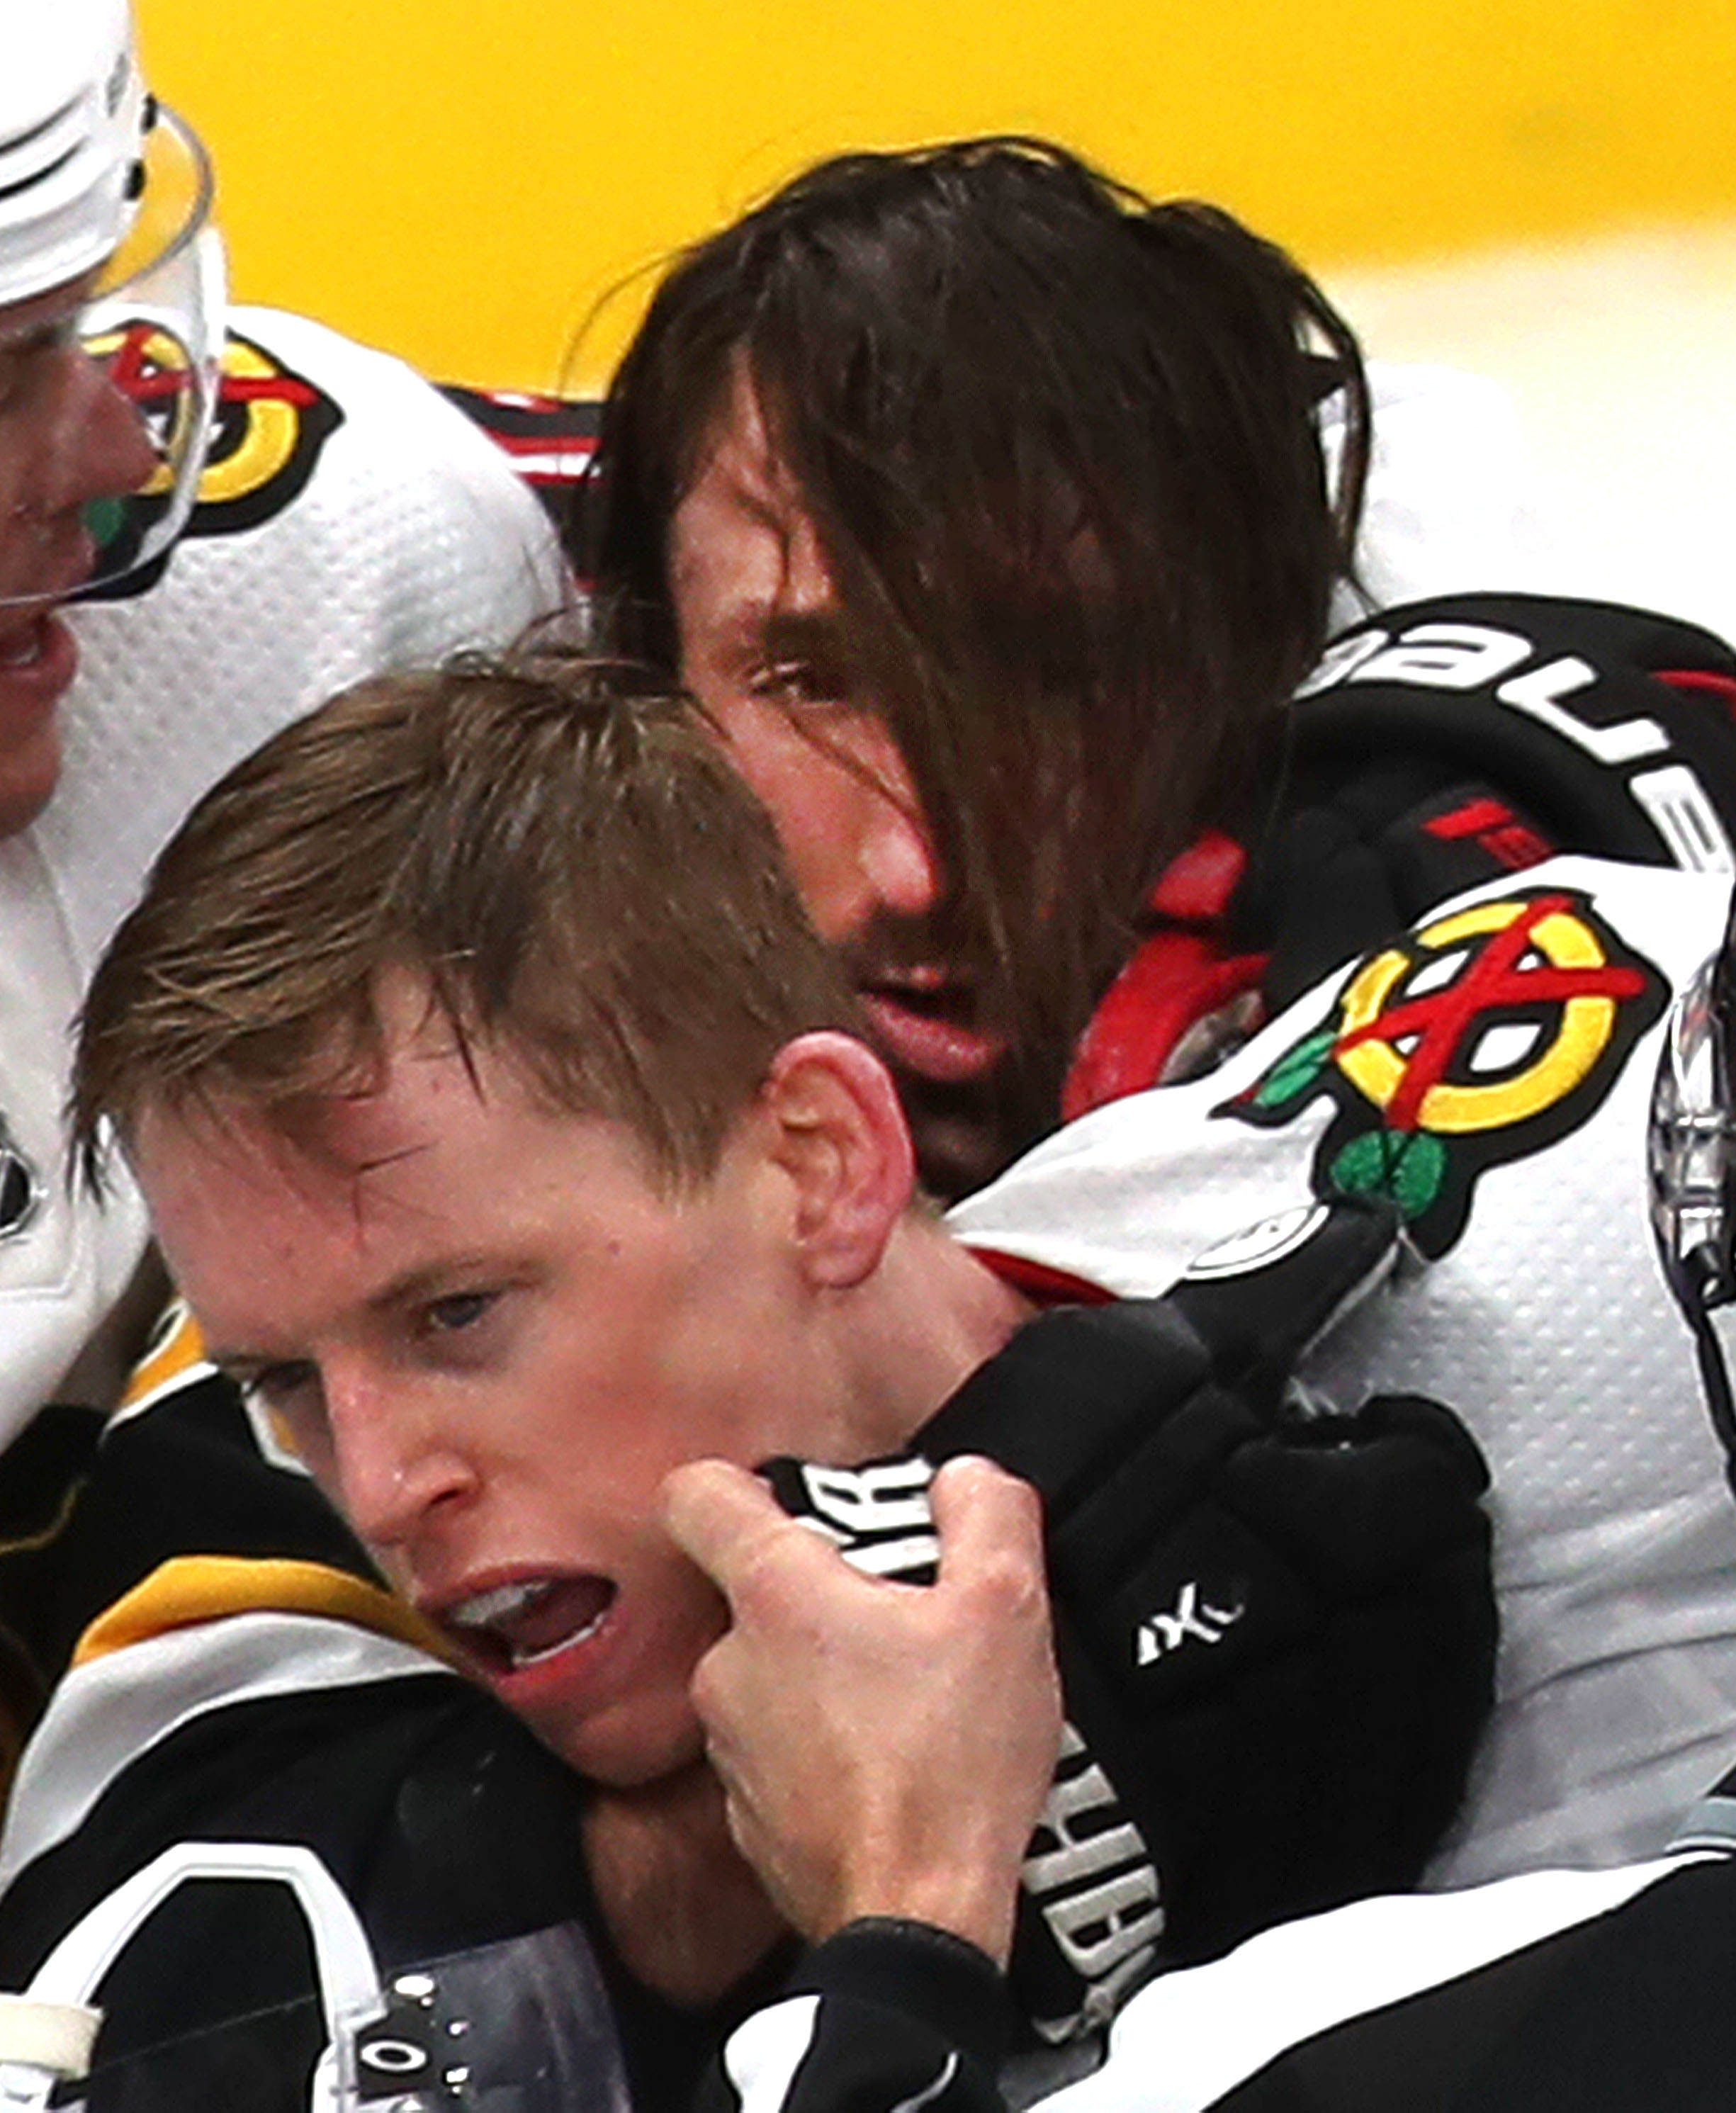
{"type": "Point", "coordinates": [99, 183]}
{"type": "Point", "coordinates": [73, 119]}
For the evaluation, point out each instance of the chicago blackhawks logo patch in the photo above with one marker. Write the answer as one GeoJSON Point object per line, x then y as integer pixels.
{"type": "Point", "coordinates": [1478, 1039]}
{"type": "Point", "coordinates": [270, 427]}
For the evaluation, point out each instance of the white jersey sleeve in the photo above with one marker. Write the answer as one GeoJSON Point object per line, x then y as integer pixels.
{"type": "Point", "coordinates": [1500, 1059]}
{"type": "Point", "coordinates": [63, 1264]}
{"type": "Point", "coordinates": [349, 520]}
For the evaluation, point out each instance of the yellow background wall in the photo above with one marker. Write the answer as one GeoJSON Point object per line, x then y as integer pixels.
{"type": "Point", "coordinates": [461, 179]}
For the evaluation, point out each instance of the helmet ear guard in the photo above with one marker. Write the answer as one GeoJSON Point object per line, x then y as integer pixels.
{"type": "Point", "coordinates": [1691, 1170]}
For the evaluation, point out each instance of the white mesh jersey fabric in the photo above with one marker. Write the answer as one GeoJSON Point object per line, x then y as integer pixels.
{"type": "Point", "coordinates": [62, 1263]}
{"type": "Point", "coordinates": [1549, 1329]}
{"type": "Point", "coordinates": [411, 538]}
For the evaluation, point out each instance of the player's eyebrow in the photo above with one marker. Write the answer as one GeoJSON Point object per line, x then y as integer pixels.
{"type": "Point", "coordinates": [421, 1281]}
{"type": "Point", "coordinates": [433, 1278]}
{"type": "Point", "coordinates": [45, 319]}
{"type": "Point", "coordinates": [19, 340]}
{"type": "Point", "coordinates": [796, 634]}
{"type": "Point", "coordinates": [758, 630]}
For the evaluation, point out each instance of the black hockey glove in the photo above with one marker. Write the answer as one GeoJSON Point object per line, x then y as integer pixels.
{"type": "Point", "coordinates": [1442, 744]}
{"type": "Point", "coordinates": [1275, 1625]}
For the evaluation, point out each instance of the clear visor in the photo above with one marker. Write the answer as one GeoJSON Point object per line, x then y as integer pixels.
{"type": "Point", "coordinates": [1691, 1170]}
{"type": "Point", "coordinates": [152, 326]}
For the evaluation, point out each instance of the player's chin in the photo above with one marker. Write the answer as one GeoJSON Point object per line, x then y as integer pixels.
{"type": "Point", "coordinates": [29, 772]}
{"type": "Point", "coordinates": [637, 1742]}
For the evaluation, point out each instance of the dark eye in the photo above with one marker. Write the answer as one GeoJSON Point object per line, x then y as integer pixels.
{"type": "Point", "coordinates": [458, 1310]}
{"type": "Point", "coordinates": [22, 357]}
{"type": "Point", "coordinates": [292, 1402]}
{"type": "Point", "coordinates": [803, 682]}
{"type": "Point", "coordinates": [14, 369]}
{"type": "Point", "coordinates": [291, 1390]}
{"type": "Point", "coordinates": [289, 1400]}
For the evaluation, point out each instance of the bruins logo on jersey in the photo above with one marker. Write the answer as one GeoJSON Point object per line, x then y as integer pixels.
{"type": "Point", "coordinates": [271, 425]}
{"type": "Point", "coordinates": [1479, 1037]}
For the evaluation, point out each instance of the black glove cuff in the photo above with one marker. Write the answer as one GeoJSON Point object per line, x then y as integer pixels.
{"type": "Point", "coordinates": [914, 1968]}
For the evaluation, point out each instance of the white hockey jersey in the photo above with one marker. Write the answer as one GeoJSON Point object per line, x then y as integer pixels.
{"type": "Point", "coordinates": [1493, 1072]}
{"type": "Point", "coordinates": [349, 520]}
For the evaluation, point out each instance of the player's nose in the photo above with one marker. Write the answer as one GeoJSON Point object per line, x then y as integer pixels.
{"type": "Point", "coordinates": [96, 444]}
{"type": "Point", "coordinates": [116, 455]}
{"type": "Point", "coordinates": [391, 1465]}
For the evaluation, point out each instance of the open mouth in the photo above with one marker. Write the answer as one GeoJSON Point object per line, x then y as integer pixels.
{"type": "Point", "coordinates": [38, 658]}
{"type": "Point", "coordinates": [512, 1626]}
{"type": "Point", "coordinates": [24, 646]}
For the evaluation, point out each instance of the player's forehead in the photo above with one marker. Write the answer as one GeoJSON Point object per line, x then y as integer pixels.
{"type": "Point", "coordinates": [277, 1217]}
{"type": "Point", "coordinates": [272, 1239]}
{"type": "Point", "coordinates": [736, 456]}
{"type": "Point", "coordinates": [743, 544]}
{"type": "Point", "coordinates": [206, 1142]}
{"type": "Point", "coordinates": [213, 1163]}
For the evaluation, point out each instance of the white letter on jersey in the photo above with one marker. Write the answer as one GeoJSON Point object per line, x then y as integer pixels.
{"type": "Point", "coordinates": [1446, 656]}
{"type": "Point", "coordinates": [1685, 818]}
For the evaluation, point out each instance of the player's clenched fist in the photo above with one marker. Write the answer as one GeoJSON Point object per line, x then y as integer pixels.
{"type": "Point", "coordinates": [885, 1749]}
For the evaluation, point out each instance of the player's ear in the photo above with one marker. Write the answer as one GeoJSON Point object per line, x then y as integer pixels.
{"type": "Point", "coordinates": [838, 1132]}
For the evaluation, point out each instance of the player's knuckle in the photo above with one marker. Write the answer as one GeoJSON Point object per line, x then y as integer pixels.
{"type": "Point", "coordinates": [1009, 1585]}
{"type": "Point", "coordinates": [766, 1580]}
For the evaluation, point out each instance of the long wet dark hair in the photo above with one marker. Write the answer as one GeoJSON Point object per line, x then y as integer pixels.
{"type": "Point", "coordinates": [1059, 446]}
